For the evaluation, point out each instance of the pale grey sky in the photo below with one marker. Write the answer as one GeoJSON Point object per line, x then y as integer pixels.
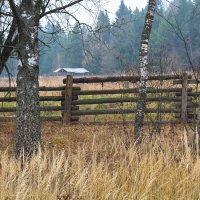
{"type": "Point", "coordinates": [110, 5]}
{"type": "Point", "coordinates": [113, 5]}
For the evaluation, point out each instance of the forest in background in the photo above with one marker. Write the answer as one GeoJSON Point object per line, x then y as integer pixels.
{"type": "Point", "coordinates": [113, 47]}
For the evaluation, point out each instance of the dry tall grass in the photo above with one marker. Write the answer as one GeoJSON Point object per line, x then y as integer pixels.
{"type": "Point", "coordinates": [107, 169]}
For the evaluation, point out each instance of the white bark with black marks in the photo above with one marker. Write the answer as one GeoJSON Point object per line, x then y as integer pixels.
{"type": "Point", "coordinates": [141, 104]}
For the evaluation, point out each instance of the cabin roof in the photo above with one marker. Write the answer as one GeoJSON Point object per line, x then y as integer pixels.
{"type": "Point", "coordinates": [72, 70]}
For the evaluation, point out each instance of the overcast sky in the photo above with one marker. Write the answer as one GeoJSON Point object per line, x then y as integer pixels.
{"type": "Point", "coordinates": [112, 5]}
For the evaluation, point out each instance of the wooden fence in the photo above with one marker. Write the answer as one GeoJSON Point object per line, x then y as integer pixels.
{"type": "Point", "coordinates": [170, 99]}
{"type": "Point", "coordinates": [8, 103]}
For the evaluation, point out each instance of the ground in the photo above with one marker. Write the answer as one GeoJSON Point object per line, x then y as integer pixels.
{"type": "Point", "coordinates": [61, 136]}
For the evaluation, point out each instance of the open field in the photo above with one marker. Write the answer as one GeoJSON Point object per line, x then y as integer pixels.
{"type": "Point", "coordinates": [101, 162]}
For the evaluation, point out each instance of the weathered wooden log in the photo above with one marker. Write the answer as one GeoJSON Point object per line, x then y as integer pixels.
{"type": "Point", "coordinates": [43, 118]}
{"type": "Point", "coordinates": [61, 88]}
{"type": "Point", "coordinates": [45, 108]}
{"type": "Point", "coordinates": [73, 107]}
{"type": "Point", "coordinates": [51, 118]}
{"type": "Point", "coordinates": [7, 99]}
{"type": "Point", "coordinates": [123, 100]}
{"type": "Point", "coordinates": [189, 105]}
{"type": "Point", "coordinates": [43, 88]}
{"type": "Point", "coordinates": [51, 108]}
{"type": "Point", "coordinates": [51, 98]}
{"type": "Point", "coordinates": [74, 97]}
{"type": "Point", "coordinates": [120, 78]}
{"type": "Point", "coordinates": [192, 94]}
{"type": "Point", "coordinates": [7, 89]}
{"type": "Point", "coordinates": [122, 111]}
{"type": "Point", "coordinates": [176, 82]}
{"type": "Point", "coordinates": [42, 98]}
{"type": "Point", "coordinates": [126, 91]}
{"type": "Point", "coordinates": [189, 116]}
{"type": "Point", "coordinates": [46, 89]}
{"type": "Point", "coordinates": [76, 88]}
{"type": "Point", "coordinates": [184, 98]}
{"type": "Point", "coordinates": [192, 116]}
{"type": "Point", "coordinates": [125, 122]}
{"type": "Point", "coordinates": [190, 98]}
{"type": "Point", "coordinates": [68, 99]}
{"type": "Point", "coordinates": [7, 109]}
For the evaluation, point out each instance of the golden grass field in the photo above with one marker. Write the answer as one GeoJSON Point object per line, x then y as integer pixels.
{"type": "Point", "coordinates": [101, 162]}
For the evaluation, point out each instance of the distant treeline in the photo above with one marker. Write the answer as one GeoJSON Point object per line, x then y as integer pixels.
{"type": "Point", "coordinates": [112, 47]}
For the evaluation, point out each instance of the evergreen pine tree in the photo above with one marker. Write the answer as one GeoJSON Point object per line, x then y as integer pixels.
{"type": "Point", "coordinates": [103, 27]}
{"type": "Point", "coordinates": [75, 47]}
{"type": "Point", "coordinates": [122, 38]}
{"type": "Point", "coordinates": [53, 49]}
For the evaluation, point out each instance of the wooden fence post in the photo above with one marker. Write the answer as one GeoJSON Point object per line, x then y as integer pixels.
{"type": "Point", "coordinates": [184, 98]}
{"type": "Point", "coordinates": [68, 99]}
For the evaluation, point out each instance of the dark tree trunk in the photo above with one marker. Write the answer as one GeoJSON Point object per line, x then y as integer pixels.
{"type": "Point", "coordinates": [28, 105]}
{"type": "Point", "coordinates": [28, 111]}
{"type": "Point", "coordinates": [141, 104]}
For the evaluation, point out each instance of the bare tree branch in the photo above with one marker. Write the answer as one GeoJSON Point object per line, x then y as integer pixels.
{"type": "Point", "coordinates": [60, 8]}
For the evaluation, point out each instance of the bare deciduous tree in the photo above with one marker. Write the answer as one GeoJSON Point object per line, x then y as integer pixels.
{"type": "Point", "coordinates": [21, 19]}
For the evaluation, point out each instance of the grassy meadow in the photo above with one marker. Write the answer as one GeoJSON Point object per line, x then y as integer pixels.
{"type": "Point", "coordinates": [101, 162]}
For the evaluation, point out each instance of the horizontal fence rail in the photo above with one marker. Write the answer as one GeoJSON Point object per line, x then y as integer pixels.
{"type": "Point", "coordinates": [98, 79]}
{"type": "Point", "coordinates": [122, 111]}
{"type": "Point", "coordinates": [126, 91]}
{"type": "Point", "coordinates": [124, 100]}
{"type": "Point", "coordinates": [42, 98]}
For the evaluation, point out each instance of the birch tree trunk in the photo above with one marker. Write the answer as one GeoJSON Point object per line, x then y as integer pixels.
{"type": "Point", "coordinates": [196, 136]}
{"type": "Point", "coordinates": [28, 106]}
{"type": "Point", "coordinates": [141, 104]}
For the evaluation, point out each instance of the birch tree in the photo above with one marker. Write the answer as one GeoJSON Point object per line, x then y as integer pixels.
{"type": "Point", "coordinates": [21, 37]}
{"type": "Point", "coordinates": [141, 104]}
